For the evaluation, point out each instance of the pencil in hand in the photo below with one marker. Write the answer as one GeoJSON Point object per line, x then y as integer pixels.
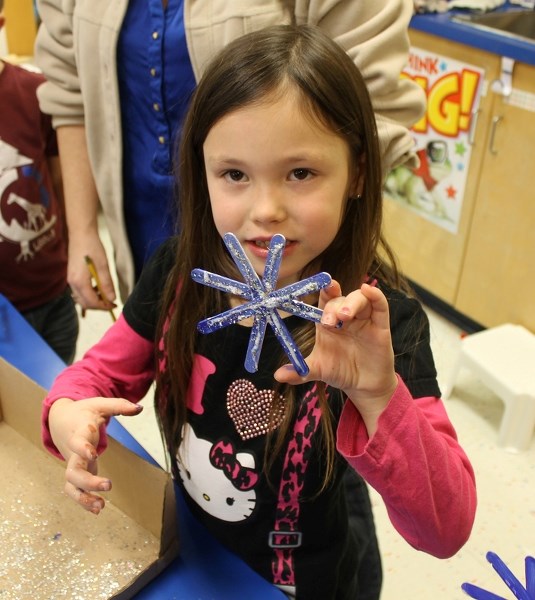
{"type": "Point", "coordinates": [96, 284]}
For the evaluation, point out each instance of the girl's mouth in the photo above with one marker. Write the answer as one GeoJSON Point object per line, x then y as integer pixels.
{"type": "Point", "coordinates": [261, 243]}
{"type": "Point", "coordinates": [264, 243]}
{"type": "Point", "coordinates": [260, 246]}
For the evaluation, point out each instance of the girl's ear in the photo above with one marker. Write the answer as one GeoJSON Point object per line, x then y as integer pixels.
{"type": "Point", "coordinates": [359, 175]}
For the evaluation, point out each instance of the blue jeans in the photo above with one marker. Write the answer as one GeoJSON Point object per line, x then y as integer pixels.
{"type": "Point", "coordinates": [57, 323]}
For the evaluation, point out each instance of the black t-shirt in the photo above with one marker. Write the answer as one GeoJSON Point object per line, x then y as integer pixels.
{"type": "Point", "coordinates": [222, 455]}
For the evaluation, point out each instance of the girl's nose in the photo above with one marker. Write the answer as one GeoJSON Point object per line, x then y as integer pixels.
{"type": "Point", "coordinates": [268, 205]}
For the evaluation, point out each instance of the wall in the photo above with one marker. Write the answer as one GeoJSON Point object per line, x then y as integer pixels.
{"type": "Point", "coordinates": [20, 27]}
{"type": "Point", "coordinates": [3, 43]}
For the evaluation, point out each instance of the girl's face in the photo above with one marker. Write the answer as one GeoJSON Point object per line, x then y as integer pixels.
{"type": "Point", "coordinates": [271, 169]}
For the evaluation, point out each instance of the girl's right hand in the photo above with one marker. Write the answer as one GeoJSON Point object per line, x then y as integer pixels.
{"type": "Point", "coordinates": [74, 428]}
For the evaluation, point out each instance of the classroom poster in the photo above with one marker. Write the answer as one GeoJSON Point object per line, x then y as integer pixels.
{"type": "Point", "coordinates": [435, 189]}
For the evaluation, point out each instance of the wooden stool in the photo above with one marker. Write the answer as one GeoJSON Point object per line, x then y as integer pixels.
{"type": "Point", "coordinates": [504, 359]}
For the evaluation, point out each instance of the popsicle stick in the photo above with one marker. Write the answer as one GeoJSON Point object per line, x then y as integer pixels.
{"type": "Point", "coordinates": [264, 300]}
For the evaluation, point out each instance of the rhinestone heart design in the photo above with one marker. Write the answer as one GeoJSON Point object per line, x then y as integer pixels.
{"type": "Point", "coordinates": [250, 409]}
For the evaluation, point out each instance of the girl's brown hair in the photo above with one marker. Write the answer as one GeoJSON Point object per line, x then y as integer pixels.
{"type": "Point", "coordinates": [250, 70]}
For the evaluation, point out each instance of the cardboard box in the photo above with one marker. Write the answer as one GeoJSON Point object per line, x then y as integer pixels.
{"type": "Point", "coordinates": [49, 546]}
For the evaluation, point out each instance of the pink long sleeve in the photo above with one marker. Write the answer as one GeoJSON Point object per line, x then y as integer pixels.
{"type": "Point", "coordinates": [120, 365]}
{"type": "Point", "coordinates": [417, 466]}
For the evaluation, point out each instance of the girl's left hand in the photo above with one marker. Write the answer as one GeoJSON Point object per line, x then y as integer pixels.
{"type": "Point", "coordinates": [357, 356]}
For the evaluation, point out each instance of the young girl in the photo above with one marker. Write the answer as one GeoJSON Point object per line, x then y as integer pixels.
{"type": "Point", "coordinates": [280, 138]}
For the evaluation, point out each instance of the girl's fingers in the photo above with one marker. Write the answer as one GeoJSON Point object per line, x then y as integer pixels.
{"type": "Point", "coordinates": [340, 309]}
{"type": "Point", "coordinates": [287, 374]}
{"type": "Point", "coordinates": [353, 346]}
{"type": "Point", "coordinates": [88, 501]}
{"type": "Point", "coordinates": [379, 305]}
{"type": "Point", "coordinates": [81, 481]}
{"type": "Point", "coordinates": [112, 407]}
{"type": "Point", "coordinates": [330, 301]}
{"type": "Point", "coordinates": [84, 419]}
{"type": "Point", "coordinates": [327, 294]}
{"type": "Point", "coordinates": [77, 423]}
{"type": "Point", "coordinates": [85, 445]}
{"type": "Point", "coordinates": [366, 303]}
{"type": "Point", "coordinates": [83, 475]}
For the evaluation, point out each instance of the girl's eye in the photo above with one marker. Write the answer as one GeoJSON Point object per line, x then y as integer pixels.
{"type": "Point", "coordinates": [300, 174]}
{"type": "Point", "coordinates": [234, 175]}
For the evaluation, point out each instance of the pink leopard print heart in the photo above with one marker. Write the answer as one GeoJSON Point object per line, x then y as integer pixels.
{"type": "Point", "coordinates": [250, 409]}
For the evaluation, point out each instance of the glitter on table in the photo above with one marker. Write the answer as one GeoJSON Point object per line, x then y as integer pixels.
{"type": "Point", "coordinates": [264, 300]}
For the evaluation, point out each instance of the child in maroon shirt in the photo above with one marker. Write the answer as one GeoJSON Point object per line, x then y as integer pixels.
{"type": "Point", "coordinates": [33, 241]}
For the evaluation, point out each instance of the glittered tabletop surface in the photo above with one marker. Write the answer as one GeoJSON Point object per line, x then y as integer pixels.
{"type": "Point", "coordinates": [52, 548]}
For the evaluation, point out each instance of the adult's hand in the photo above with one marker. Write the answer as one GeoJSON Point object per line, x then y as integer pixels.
{"type": "Point", "coordinates": [81, 206]}
{"type": "Point", "coordinates": [83, 287]}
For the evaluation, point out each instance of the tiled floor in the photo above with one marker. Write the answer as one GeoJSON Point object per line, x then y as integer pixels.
{"type": "Point", "coordinates": [505, 521]}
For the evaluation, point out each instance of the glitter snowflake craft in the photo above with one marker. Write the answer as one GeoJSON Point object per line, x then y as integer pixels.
{"type": "Point", "coordinates": [520, 592]}
{"type": "Point", "coordinates": [264, 301]}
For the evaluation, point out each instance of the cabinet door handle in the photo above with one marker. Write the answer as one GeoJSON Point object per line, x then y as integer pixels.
{"type": "Point", "coordinates": [473, 127]}
{"type": "Point", "coordinates": [495, 121]}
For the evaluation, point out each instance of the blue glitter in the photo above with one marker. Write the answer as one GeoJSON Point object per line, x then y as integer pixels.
{"type": "Point", "coordinates": [264, 301]}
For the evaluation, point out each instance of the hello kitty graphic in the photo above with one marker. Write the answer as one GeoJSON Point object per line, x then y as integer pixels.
{"type": "Point", "coordinates": [220, 480]}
